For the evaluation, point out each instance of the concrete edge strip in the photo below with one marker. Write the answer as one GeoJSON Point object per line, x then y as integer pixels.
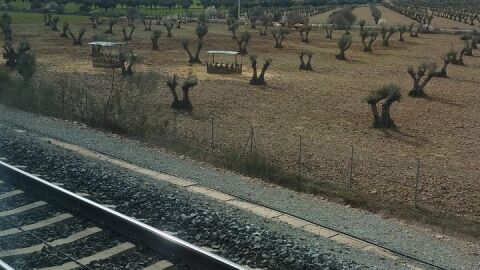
{"type": "Point", "coordinates": [228, 199]}
{"type": "Point", "coordinates": [36, 225]}
{"type": "Point", "coordinates": [72, 238]}
{"type": "Point", "coordinates": [161, 265]}
{"type": "Point", "coordinates": [22, 208]}
{"type": "Point", "coordinates": [10, 194]}
{"type": "Point", "coordinates": [105, 254]}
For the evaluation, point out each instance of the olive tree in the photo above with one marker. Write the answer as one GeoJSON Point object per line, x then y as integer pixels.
{"type": "Point", "coordinates": [22, 59]}
{"type": "Point", "coordinates": [447, 58]}
{"type": "Point", "coordinates": [54, 23]}
{"type": "Point", "coordinates": [308, 64]}
{"type": "Point", "coordinates": [6, 26]}
{"type": "Point", "coordinates": [279, 34]}
{"type": "Point", "coordinates": [304, 31]}
{"type": "Point", "coordinates": [184, 104]}
{"type": "Point", "coordinates": [401, 30]}
{"type": "Point", "coordinates": [386, 34]}
{"type": "Point", "coordinates": [362, 23]}
{"type": "Point", "coordinates": [389, 94]}
{"type": "Point", "coordinates": [128, 37]}
{"type": "Point", "coordinates": [233, 25]}
{"type": "Point", "coordinates": [259, 79]}
{"type": "Point", "coordinates": [266, 21]}
{"type": "Point", "coordinates": [329, 31]}
{"type": "Point", "coordinates": [111, 23]}
{"type": "Point", "coordinates": [425, 71]}
{"type": "Point", "coordinates": [414, 32]}
{"type": "Point", "coordinates": [168, 26]}
{"type": "Point", "coordinates": [26, 64]}
{"type": "Point", "coordinates": [372, 36]}
{"type": "Point", "coordinates": [155, 36]}
{"type": "Point", "coordinates": [77, 40]}
{"type": "Point", "coordinates": [127, 61]}
{"type": "Point", "coordinates": [467, 39]}
{"type": "Point", "coordinates": [344, 44]}
{"type": "Point", "coordinates": [459, 60]}
{"type": "Point", "coordinates": [147, 23]}
{"type": "Point", "coordinates": [201, 31]}
{"type": "Point", "coordinates": [242, 42]}
{"type": "Point", "coordinates": [64, 33]}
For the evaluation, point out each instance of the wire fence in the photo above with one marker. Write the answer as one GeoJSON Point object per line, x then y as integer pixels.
{"type": "Point", "coordinates": [446, 189]}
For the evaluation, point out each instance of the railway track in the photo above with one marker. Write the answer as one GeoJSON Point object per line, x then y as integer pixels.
{"type": "Point", "coordinates": [44, 226]}
{"type": "Point", "coordinates": [313, 227]}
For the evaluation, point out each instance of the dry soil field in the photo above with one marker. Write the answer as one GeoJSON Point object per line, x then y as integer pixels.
{"type": "Point", "coordinates": [326, 107]}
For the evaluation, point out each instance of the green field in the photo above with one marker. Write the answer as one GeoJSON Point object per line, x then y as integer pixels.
{"type": "Point", "coordinates": [71, 8]}
{"type": "Point", "coordinates": [35, 18]}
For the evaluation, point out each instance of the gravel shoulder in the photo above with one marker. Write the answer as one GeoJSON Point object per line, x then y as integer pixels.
{"type": "Point", "coordinates": [418, 242]}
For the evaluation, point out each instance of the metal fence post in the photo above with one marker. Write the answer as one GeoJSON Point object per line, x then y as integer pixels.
{"type": "Point", "coordinates": [351, 169]}
{"type": "Point", "coordinates": [417, 178]}
{"type": "Point", "coordinates": [213, 145]}
{"type": "Point", "coordinates": [300, 157]}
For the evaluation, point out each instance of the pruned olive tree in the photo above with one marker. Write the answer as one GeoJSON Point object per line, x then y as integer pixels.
{"type": "Point", "coordinates": [47, 19]}
{"type": "Point", "coordinates": [265, 22]}
{"type": "Point", "coordinates": [389, 94]}
{"type": "Point", "coordinates": [22, 59]}
{"type": "Point", "coordinates": [64, 33]}
{"type": "Point", "coordinates": [371, 35]}
{"type": "Point", "coordinates": [329, 31]}
{"type": "Point", "coordinates": [259, 79]}
{"type": "Point", "coordinates": [155, 36]}
{"type": "Point", "coordinates": [362, 23]}
{"type": "Point", "coordinates": [77, 40]}
{"type": "Point", "coordinates": [94, 19]}
{"type": "Point", "coordinates": [128, 37]}
{"type": "Point", "coordinates": [387, 34]}
{"type": "Point", "coordinates": [459, 60]}
{"type": "Point", "coordinates": [26, 65]}
{"type": "Point", "coordinates": [111, 23]}
{"type": "Point", "coordinates": [447, 58]}
{"type": "Point", "coordinates": [414, 32]}
{"type": "Point", "coordinates": [172, 85]}
{"type": "Point", "coordinates": [168, 24]}
{"type": "Point", "coordinates": [304, 31]}
{"type": "Point", "coordinates": [242, 42]}
{"type": "Point", "coordinates": [308, 64]}
{"type": "Point", "coordinates": [184, 104]}
{"type": "Point", "coordinates": [147, 23]}
{"type": "Point", "coordinates": [425, 71]}
{"type": "Point", "coordinates": [6, 26]}
{"type": "Point", "coordinates": [127, 61]}
{"type": "Point", "coordinates": [233, 25]}
{"type": "Point", "coordinates": [344, 44]}
{"type": "Point", "coordinates": [401, 30]}
{"type": "Point", "coordinates": [54, 23]}
{"type": "Point", "coordinates": [279, 34]}
{"type": "Point", "coordinates": [201, 31]}
{"type": "Point", "coordinates": [467, 39]}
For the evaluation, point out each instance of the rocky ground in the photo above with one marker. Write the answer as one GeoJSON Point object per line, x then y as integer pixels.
{"type": "Point", "coordinates": [189, 218]}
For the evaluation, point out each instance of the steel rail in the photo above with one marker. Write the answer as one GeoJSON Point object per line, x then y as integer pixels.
{"type": "Point", "coordinates": [148, 235]}
{"type": "Point", "coordinates": [397, 252]}
{"type": "Point", "coordinates": [5, 266]}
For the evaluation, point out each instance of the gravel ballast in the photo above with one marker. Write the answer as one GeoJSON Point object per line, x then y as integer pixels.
{"type": "Point", "coordinates": [452, 254]}
{"type": "Point", "coordinates": [191, 218]}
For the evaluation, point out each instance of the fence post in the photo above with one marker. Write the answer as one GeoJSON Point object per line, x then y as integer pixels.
{"type": "Point", "coordinates": [251, 141]}
{"type": "Point", "coordinates": [300, 157]}
{"type": "Point", "coordinates": [213, 145]}
{"type": "Point", "coordinates": [351, 169]}
{"type": "Point", "coordinates": [174, 123]}
{"type": "Point", "coordinates": [417, 178]}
